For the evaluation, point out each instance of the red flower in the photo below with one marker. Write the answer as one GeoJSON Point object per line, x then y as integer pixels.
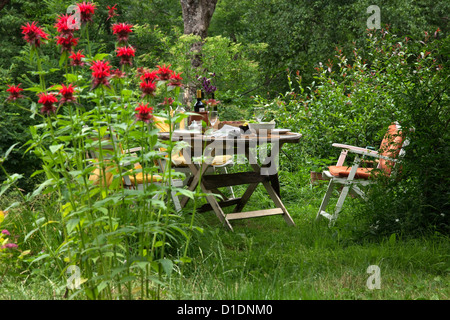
{"type": "Point", "coordinates": [147, 88]}
{"type": "Point", "coordinates": [117, 74]}
{"type": "Point", "coordinates": [14, 92]}
{"type": "Point", "coordinates": [33, 34]}
{"type": "Point", "coordinates": [164, 72]}
{"type": "Point", "coordinates": [66, 42]}
{"type": "Point", "coordinates": [144, 112]}
{"type": "Point", "coordinates": [149, 76]}
{"type": "Point", "coordinates": [47, 100]}
{"type": "Point", "coordinates": [100, 74]}
{"type": "Point", "coordinates": [62, 24]}
{"type": "Point", "coordinates": [76, 58]}
{"type": "Point", "coordinates": [122, 30]}
{"type": "Point", "coordinates": [167, 101]}
{"type": "Point", "coordinates": [212, 102]}
{"type": "Point", "coordinates": [86, 11]}
{"type": "Point", "coordinates": [67, 94]}
{"type": "Point", "coordinates": [111, 11]}
{"type": "Point", "coordinates": [125, 53]}
{"type": "Point", "coordinates": [175, 80]}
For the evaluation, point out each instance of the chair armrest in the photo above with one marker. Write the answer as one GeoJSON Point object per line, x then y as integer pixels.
{"type": "Point", "coordinates": [362, 151]}
{"type": "Point", "coordinates": [353, 148]}
{"type": "Point", "coordinates": [133, 150]}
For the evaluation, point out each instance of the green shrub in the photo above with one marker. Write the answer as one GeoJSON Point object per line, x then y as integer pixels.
{"type": "Point", "coordinates": [353, 102]}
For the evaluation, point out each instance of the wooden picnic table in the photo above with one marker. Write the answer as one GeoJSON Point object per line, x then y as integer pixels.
{"type": "Point", "coordinates": [265, 173]}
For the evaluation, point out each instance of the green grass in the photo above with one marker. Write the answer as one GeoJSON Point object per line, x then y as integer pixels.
{"type": "Point", "coordinates": [266, 259]}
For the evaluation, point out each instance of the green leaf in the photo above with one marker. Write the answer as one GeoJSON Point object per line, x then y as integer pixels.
{"type": "Point", "coordinates": [63, 58]}
{"type": "Point", "coordinates": [34, 89]}
{"type": "Point", "coordinates": [186, 193]}
{"type": "Point", "coordinates": [40, 258]}
{"type": "Point", "coordinates": [55, 148]}
{"type": "Point", "coordinates": [9, 151]}
{"type": "Point", "coordinates": [70, 77]}
{"type": "Point", "coordinates": [71, 224]}
{"type": "Point", "coordinates": [29, 234]}
{"type": "Point", "coordinates": [167, 265]}
{"type": "Point", "coordinates": [100, 56]}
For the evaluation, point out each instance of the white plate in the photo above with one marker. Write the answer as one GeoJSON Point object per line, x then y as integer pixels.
{"type": "Point", "coordinates": [280, 131]}
{"type": "Point", "coordinates": [186, 132]}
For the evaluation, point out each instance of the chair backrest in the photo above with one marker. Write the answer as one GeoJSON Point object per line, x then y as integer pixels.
{"type": "Point", "coordinates": [161, 123]}
{"type": "Point", "coordinates": [391, 146]}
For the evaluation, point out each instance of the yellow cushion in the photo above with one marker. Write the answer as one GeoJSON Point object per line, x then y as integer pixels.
{"type": "Point", "coordinates": [97, 176]}
{"type": "Point", "coordinates": [179, 160]}
{"type": "Point", "coordinates": [220, 160]}
{"type": "Point", "coordinates": [138, 178]}
{"type": "Point", "coordinates": [161, 124]}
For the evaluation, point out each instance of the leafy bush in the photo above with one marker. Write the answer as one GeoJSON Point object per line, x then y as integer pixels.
{"type": "Point", "coordinates": [86, 217]}
{"type": "Point", "coordinates": [353, 102]}
{"type": "Point", "coordinates": [419, 202]}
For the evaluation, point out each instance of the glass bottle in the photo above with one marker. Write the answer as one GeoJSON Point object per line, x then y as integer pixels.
{"type": "Point", "coordinates": [199, 106]}
{"type": "Point", "coordinates": [182, 124]}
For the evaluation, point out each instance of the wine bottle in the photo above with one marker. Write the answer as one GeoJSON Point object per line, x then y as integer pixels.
{"type": "Point", "coordinates": [199, 106]}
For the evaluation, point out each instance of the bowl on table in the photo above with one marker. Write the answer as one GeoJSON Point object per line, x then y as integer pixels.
{"type": "Point", "coordinates": [262, 127]}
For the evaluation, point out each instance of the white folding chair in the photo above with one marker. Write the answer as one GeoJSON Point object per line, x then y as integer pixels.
{"type": "Point", "coordinates": [355, 176]}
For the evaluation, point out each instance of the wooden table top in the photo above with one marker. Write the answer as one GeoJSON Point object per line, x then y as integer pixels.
{"type": "Point", "coordinates": [289, 137]}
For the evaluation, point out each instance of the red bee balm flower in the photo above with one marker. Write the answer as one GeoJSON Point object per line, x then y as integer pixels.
{"type": "Point", "coordinates": [62, 24]}
{"type": "Point", "coordinates": [76, 59]}
{"type": "Point", "coordinates": [33, 34]}
{"type": "Point", "coordinates": [164, 72]}
{"type": "Point", "coordinates": [122, 30]}
{"type": "Point", "coordinates": [101, 72]}
{"type": "Point", "coordinates": [147, 88]}
{"type": "Point", "coordinates": [67, 94]}
{"type": "Point", "coordinates": [175, 80]}
{"type": "Point", "coordinates": [167, 101]}
{"type": "Point", "coordinates": [87, 10]}
{"type": "Point", "coordinates": [117, 74]}
{"type": "Point", "coordinates": [111, 11]}
{"type": "Point", "coordinates": [144, 112]}
{"type": "Point", "coordinates": [14, 92]}
{"type": "Point", "coordinates": [149, 76]}
{"type": "Point", "coordinates": [66, 42]}
{"type": "Point", "coordinates": [125, 53]}
{"type": "Point", "coordinates": [47, 100]}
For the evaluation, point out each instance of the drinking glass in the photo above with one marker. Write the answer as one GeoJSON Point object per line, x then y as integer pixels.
{"type": "Point", "coordinates": [259, 114]}
{"type": "Point", "coordinates": [213, 117]}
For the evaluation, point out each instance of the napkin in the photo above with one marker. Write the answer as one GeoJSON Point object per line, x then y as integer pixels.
{"type": "Point", "coordinates": [227, 131]}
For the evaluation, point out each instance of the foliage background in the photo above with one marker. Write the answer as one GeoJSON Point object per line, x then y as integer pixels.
{"type": "Point", "coordinates": [259, 50]}
{"type": "Point", "coordinates": [311, 64]}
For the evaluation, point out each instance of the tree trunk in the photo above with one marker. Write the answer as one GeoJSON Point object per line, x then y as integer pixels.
{"type": "Point", "coordinates": [3, 3]}
{"type": "Point", "coordinates": [197, 15]}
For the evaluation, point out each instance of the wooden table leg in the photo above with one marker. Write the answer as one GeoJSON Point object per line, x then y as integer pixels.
{"type": "Point", "coordinates": [275, 182]}
{"type": "Point", "coordinates": [216, 208]}
{"type": "Point", "coordinates": [196, 176]}
{"type": "Point", "coordinates": [278, 203]}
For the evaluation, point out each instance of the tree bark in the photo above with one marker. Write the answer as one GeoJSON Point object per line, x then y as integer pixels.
{"type": "Point", "coordinates": [197, 15]}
